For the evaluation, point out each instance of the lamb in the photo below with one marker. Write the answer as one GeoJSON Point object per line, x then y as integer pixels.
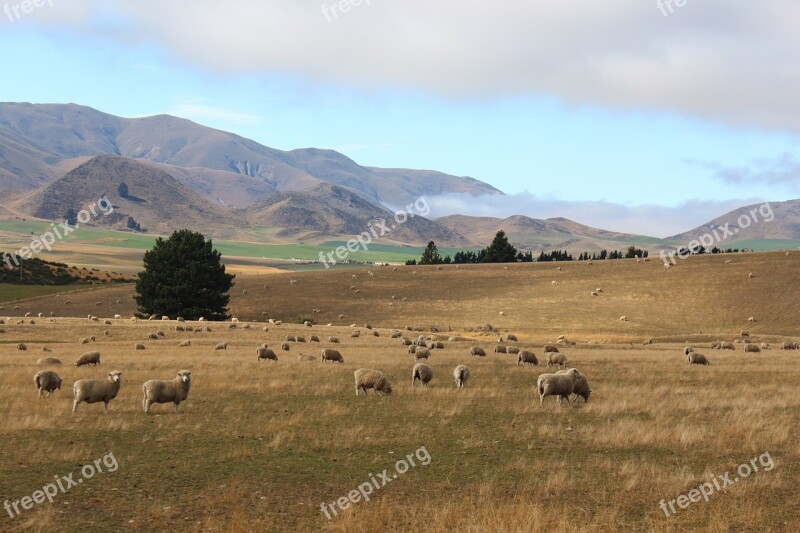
{"type": "Point", "coordinates": [329, 354]}
{"type": "Point", "coordinates": [48, 361]}
{"type": "Point", "coordinates": [526, 357]}
{"type": "Point", "coordinates": [697, 359]}
{"type": "Point", "coordinates": [47, 381]}
{"type": "Point", "coordinates": [423, 373]}
{"type": "Point", "coordinates": [88, 358]}
{"type": "Point", "coordinates": [333, 340]}
{"type": "Point", "coordinates": [751, 348]}
{"type": "Point", "coordinates": [477, 351]}
{"type": "Point", "coordinates": [558, 385]}
{"type": "Point", "coordinates": [581, 387]}
{"type": "Point", "coordinates": [265, 353]}
{"type": "Point", "coordinates": [366, 378]}
{"type": "Point", "coordinates": [96, 390]}
{"type": "Point", "coordinates": [555, 358]}
{"type": "Point", "coordinates": [461, 375]}
{"type": "Point", "coordinates": [221, 346]}
{"type": "Point", "coordinates": [138, 347]}
{"type": "Point", "coordinates": [512, 350]}
{"type": "Point", "coordinates": [500, 349]}
{"type": "Point", "coordinates": [165, 391]}
{"type": "Point", "coordinates": [422, 353]}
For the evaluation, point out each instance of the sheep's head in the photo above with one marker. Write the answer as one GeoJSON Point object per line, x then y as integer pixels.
{"type": "Point", "coordinates": [384, 386]}
{"type": "Point", "coordinates": [115, 376]}
{"type": "Point", "coordinates": [185, 376]}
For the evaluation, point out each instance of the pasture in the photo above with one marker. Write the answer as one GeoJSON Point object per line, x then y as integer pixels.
{"type": "Point", "coordinates": [260, 446]}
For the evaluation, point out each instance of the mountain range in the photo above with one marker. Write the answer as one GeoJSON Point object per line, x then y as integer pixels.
{"type": "Point", "coordinates": [57, 157]}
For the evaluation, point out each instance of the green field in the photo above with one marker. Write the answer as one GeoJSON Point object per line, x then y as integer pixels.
{"type": "Point", "coordinates": [19, 292]}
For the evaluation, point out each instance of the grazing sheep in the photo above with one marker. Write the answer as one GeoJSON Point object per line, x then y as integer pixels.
{"type": "Point", "coordinates": [265, 353]}
{"type": "Point", "coordinates": [96, 390]}
{"type": "Point", "coordinates": [695, 358]}
{"type": "Point", "coordinates": [333, 340]}
{"type": "Point", "coordinates": [152, 337]}
{"type": "Point", "coordinates": [745, 333]}
{"type": "Point", "coordinates": [88, 358]}
{"type": "Point", "coordinates": [751, 275]}
{"type": "Point", "coordinates": [313, 338]}
{"type": "Point", "coordinates": [787, 346]}
{"type": "Point", "coordinates": [623, 318]}
{"type": "Point", "coordinates": [285, 346]}
{"type": "Point", "coordinates": [329, 354]}
{"type": "Point", "coordinates": [47, 381]}
{"type": "Point", "coordinates": [184, 344]}
{"type": "Point", "coordinates": [461, 375]}
{"type": "Point", "coordinates": [502, 313]}
{"type": "Point", "coordinates": [290, 338]}
{"type": "Point", "coordinates": [221, 346]}
{"type": "Point", "coordinates": [300, 339]}
{"type": "Point", "coordinates": [423, 373]}
{"type": "Point", "coordinates": [751, 348]}
{"type": "Point", "coordinates": [726, 345]}
{"type": "Point", "coordinates": [21, 347]}
{"type": "Point", "coordinates": [106, 333]}
{"type": "Point", "coordinates": [752, 320]}
{"type": "Point", "coordinates": [648, 342]}
{"type": "Point", "coordinates": [422, 353]}
{"type": "Point", "coordinates": [765, 346]}
{"type": "Point", "coordinates": [555, 358]}
{"type": "Point", "coordinates": [477, 351]}
{"type": "Point", "coordinates": [595, 293]}
{"type": "Point", "coordinates": [528, 358]}
{"type": "Point", "coordinates": [355, 334]}
{"type": "Point", "coordinates": [303, 357]}
{"type": "Point", "coordinates": [371, 379]}
{"type": "Point", "coordinates": [548, 348]}
{"type": "Point", "coordinates": [716, 345]}
{"type": "Point", "coordinates": [412, 349]}
{"type": "Point", "coordinates": [511, 337]}
{"type": "Point", "coordinates": [500, 349]}
{"type": "Point", "coordinates": [138, 347]}
{"type": "Point", "coordinates": [395, 334]}
{"type": "Point", "coordinates": [83, 340]}
{"type": "Point", "coordinates": [512, 350]}
{"type": "Point", "coordinates": [581, 387]}
{"type": "Point", "coordinates": [166, 391]}
{"type": "Point", "coordinates": [687, 350]}
{"type": "Point", "coordinates": [406, 342]}
{"type": "Point", "coordinates": [180, 327]}
{"type": "Point", "coordinates": [48, 361]}
{"type": "Point", "coordinates": [558, 385]}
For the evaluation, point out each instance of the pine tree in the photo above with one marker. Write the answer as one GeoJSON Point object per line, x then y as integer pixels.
{"type": "Point", "coordinates": [501, 251]}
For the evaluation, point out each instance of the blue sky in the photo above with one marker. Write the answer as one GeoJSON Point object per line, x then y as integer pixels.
{"type": "Point", "coordinates": [640, 124]}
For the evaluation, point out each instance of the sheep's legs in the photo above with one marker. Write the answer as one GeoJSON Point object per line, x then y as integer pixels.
{"type": "Point", "coordinates": [74, 405]}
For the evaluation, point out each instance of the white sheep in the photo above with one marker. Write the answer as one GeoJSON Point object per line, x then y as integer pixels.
{"type": "Point", "coordinates": [264, 353]}
{"type": "Point", "coordinates": [581, 387]}
{"type": "Point", "coordinates": [329, 354]}
{"type": "Point", "coordinates": [751, 348]}
{"type": "Point", "coordinates": [138, 347]}
{"type": "Point", "coordinates": [423, 373]}
{"type": "Point", "coordinates": [88, 358]}
{"type": "Point", "coordinates": [221, 346]}
{"type": "Point", "coordinates": [558, 385]}
{"type": "Point", "coordinates": [697, 359]}
{"type": "Point", "coordinates": [185, 343]}
{"type": "Point", "coordinates": [47, 381]}
{"type": "Point", "coordinates": [461, 375]}
{"type": "Point", "coordinates": [477, 351]}
{"type": "Point", "coordinates": [555, 358]}
{"type": "Point", "coordinates": [47, 361]}
{"type": "Point", "coordinates": [96, 390]}
{"type": "Point", "coordinates": [165, 391]}
{"type": "Point", "coordinates": [526, 357]}
{"type": "Point", "coordinates": [367, 378]}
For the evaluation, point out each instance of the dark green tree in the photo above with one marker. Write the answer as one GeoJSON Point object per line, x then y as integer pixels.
{"type": "Point", "coordinates": [183, 277]}
{"type": "Point", "coordinates": [501, 251]}
{"type": "Point", "coordinates": [431, 255]}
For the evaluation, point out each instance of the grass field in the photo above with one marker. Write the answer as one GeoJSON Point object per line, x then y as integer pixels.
{"type": "Point", "coordinates": [261, 446]}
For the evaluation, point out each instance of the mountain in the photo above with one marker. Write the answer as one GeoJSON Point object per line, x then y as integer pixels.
{"type": "Point", "coordinates": [37, 139]}
{"type": "Point", "coordinates": [155, 200]}
{"type": "Point", "coordinates": [768, 221]}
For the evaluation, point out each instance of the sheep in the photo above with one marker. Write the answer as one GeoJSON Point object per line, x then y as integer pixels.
{"type": "Point", "coordinates": [623, 318]}
{"type": "Point", "coordinates": [96, 390]}
{"type": "Point", "coordinates": [165, 317]}
{"type": "Point", "coordinates": [285, 346]}
{"type": "Point", "coordinates": [581, 387]}
{"type": "Point", "coordinates": [751, 348]}
{"type": "Point", "coordinates": [313, 338]}
{"type": "Point", "coordinates": [421, 372]}
{"type": "Point", "coordinates": [595, 293]}
{"type": "Point", "coordinates": [22, 347]}
{"type": "Point", "coordinates": [152, 337]}
{"type": "Point", "coordinates": [138, 347]}
{"type": "Point", "coordinates": [528, 358]}
{"type": "Point", "coordinates": [512, 350]}
{"type": "Point", "coordinates": [46, 381]}
{"type": "Point", "coordinates": [555, 358]}
{"type": "Point", "coordinates": [726, 345]}
{"type": "Point", "coordinates": [412, 349]}
{"type": "Point", "coordinates": [333, 340]}
{"type": "Point", "coordinates": [165, 391]}
{"type": "Point", "coordinates": [558, 385]}
{"type": "Point", "coordinates": [303, 357]}
{"type": "Point", "coordinates": [83, 340]}
{"type": "Point", "coordinates": [264, 353]}
{"type": "Point", "coordinates": [422, 353]}
{"type": "Point", "coordinates": [502, 313]}
{"type": "Point", "coordinates": [395, 334]}
{"type": "Point", "coordinates": [787, 346]}
{"type": "Point", "coordinates": [765, 346]}
{"type": "Point", "coordinates": [477, 351]}
{"type": "Point", "coordinates": [745, 333]}
{"type": "Point", "coordinates": [355, 334]}
{"type": "Point", "coordinates": [88, 358]}
{"type": "Point", "coordinates": [437, 345]}
{"type": "Point", "coordinates": [221, 346]}
{"type": "Point", "coordinates": [461, 375]}
{"type": "Point", "coordinates": [687, 350]}
{"type": "Point", "coordinates": [406, 342]}
{"type": "Point", "coordinates": [751, 275]}
{"type": "Point", "coordinates": [716, 345]}
{"type": "Point", "coordinates": [300, 338]}
{"type": "Point", "coordinates": [752, 320]}
{"type": "Point", "coordinates": [500, 349]}
{"type": "Point", "coordinates": [366, 378]}
{"type": "Point", "coordinates": [375, 333]}
{"type": "Point", "coordinates": [548, 348]}
{"type": "Point", "coordinates": [185, 343]}
{"type": "Point", "coordinates": [648, 342]}
{"type": "Point", "coordinates": [180, 327]}
{"type": "Point", "coordinates": [307, 324]}
{"type": "Point", "coordinates": [329, 354]}
{"type": "Point", "coordinates": [511, 337]}
{"type": "Point", "coordinates": [695, 358]}
{"type": "Point", "coordinates": [106, 333]}
{"type": "Point", "coordinates": [48, 361]}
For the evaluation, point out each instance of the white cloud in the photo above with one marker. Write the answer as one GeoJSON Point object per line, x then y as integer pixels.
{"type": "Point", "coordinates": [650, 220]}
{"type": "Point", "coordinates": [733, 61]}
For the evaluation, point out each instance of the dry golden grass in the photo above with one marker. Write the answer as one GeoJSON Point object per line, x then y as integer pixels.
{"type": "Point", "coordinates": [260, 446]}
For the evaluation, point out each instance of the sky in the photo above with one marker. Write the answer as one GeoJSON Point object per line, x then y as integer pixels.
{"type": "Point", "coordinates": [635, 115]}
